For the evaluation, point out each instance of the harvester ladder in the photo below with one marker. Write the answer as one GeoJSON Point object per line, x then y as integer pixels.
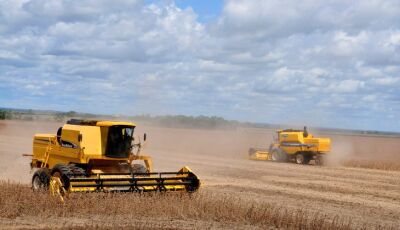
{"type": "Point", "coordinates": [46, 155]}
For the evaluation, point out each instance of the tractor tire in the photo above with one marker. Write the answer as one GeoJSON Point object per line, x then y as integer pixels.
{"type": "Point", "coordinates": [41, 179]}
{"type": "Point", "coordinates": [77, 171]}
{"type": "Point", "coordinates": [63, 172]}
{"type": "Point", "coordinates": [279, 156]}
{"type": "Point", "coordinates": [307, 159]}
{"type": "Point", "coordinates": [300, 159]}
{"type": "Point", "coordinates": [139, 168]}
{"type": "Point", "coordinates": [275, 155]}
{"type": "Point", "coordinates": [284, 156]}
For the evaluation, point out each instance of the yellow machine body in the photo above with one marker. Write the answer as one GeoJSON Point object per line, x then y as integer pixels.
{"type": "Point", "coordinates": [297, 145]}
{"type": "Point", "coordinates": [83, 143]}
{"type": "Point", "coordinates": [97, 156]}
{"type": "Point", "coordinates": [292, 142]}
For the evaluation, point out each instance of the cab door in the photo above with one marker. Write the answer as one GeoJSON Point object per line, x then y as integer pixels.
{"type": "Point", "coordinates": [68, 148]}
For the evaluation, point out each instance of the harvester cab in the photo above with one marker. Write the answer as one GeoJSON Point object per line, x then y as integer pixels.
{"type": "Point", "coordinates": [87, 155]}
{"type": "Point", "coordinates": [298, 146]}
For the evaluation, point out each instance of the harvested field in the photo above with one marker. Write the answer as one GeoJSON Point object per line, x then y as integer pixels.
{"type": "Point", "coordinates": [236, 192]}
{"type": "Point", "coordinates": [382, 165]}
{"type": "Point", "coordinates": [205, 209]}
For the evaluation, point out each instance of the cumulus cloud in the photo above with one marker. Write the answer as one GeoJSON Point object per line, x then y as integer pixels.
{"type": "Point", "coordinates": [332, 63]}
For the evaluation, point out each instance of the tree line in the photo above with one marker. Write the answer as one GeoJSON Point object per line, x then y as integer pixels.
{"type": "Point", "coordinates": [5, 114]}
{"type": "Point", "coordinates": [172, 121]}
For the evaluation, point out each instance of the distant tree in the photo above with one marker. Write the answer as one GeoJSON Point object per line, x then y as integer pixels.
{"type": "Point", "coordinates": [2, 114]}
{"type": "Point", "coordinates": [71, 114]}
{"type": "Point", "coordinates": [59, 116]}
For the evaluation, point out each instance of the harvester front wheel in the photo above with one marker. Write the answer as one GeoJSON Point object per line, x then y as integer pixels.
{"type": "Point", "coordinates": [139, 168]}
{"type": "Point", "coordinates": [62, 171]}
{"type": "Point", "coordinates": [275, 156]}
{"type": "Point", "coordinates": [41, 179]}
{"type": "Point", "coordinates": [302, 159]}
{"type": "Point", "coordinates": [77, 171]}
{"type": "Point", "coordinates": [279, 155]}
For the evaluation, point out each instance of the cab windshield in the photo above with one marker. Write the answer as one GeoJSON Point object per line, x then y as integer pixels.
{"type": "Point", "coordinates": [119, 141]}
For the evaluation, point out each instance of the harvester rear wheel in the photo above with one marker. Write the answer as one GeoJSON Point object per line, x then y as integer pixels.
{"type": "Point", "coordinates": [41, 179]}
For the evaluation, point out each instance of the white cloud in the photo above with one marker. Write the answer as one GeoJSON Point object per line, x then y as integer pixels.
{"type": "Point", "coordinates": [261, 60]}
{"type": "Point", "coordinates": [346, 86]}
{"type": "Point", "coordinates": [387, 81]}
{"type": "Point", "coordinates": [207, 65]}
{"type": "Point", "coordinates": [370, 98]}
{"type": "Point", "coordinates": [273, 18]}
{"type": "Point", "coordinates": [394, 39]}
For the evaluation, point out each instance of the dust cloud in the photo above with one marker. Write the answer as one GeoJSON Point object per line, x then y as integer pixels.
{"type": "Point", "coordinates": [366, 148]}
{"type": "Point", "coordinates": [16, 139]}
{"type": "Point", "coordinates": [341, 151]}
{"type": "Point", "coordinates": [188, 145]}
{"type": "Point", "coordinates": [228, 143]}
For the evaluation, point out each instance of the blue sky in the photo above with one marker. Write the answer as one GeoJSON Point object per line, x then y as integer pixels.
{"type": "Point", "coordinates": [207, 10]}
{"type": "Point", "coordinates": [331, 64]}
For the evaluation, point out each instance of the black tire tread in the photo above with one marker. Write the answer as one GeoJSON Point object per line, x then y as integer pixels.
{"type": "Point", "coordinates": [44, 176]}
{"type": "Point", "coordinates": [77, 171]}
{"type": "Point", "coordinates": [65, 172]}
{"type": "Point", "coordinates": [139, 168]}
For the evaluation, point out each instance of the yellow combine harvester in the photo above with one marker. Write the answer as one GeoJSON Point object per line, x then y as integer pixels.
{"type": "Point", "coordinates": [88, 155]}
{"type": "Point", "coordinates": [294, 145]}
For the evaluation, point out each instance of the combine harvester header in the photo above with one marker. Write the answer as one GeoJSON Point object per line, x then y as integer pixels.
{"type": "Point", "coordinates": [87, 155]}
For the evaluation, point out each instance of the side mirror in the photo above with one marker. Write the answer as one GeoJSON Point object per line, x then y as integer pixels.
{"type": "Point", "coordinates": [144, 137]}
